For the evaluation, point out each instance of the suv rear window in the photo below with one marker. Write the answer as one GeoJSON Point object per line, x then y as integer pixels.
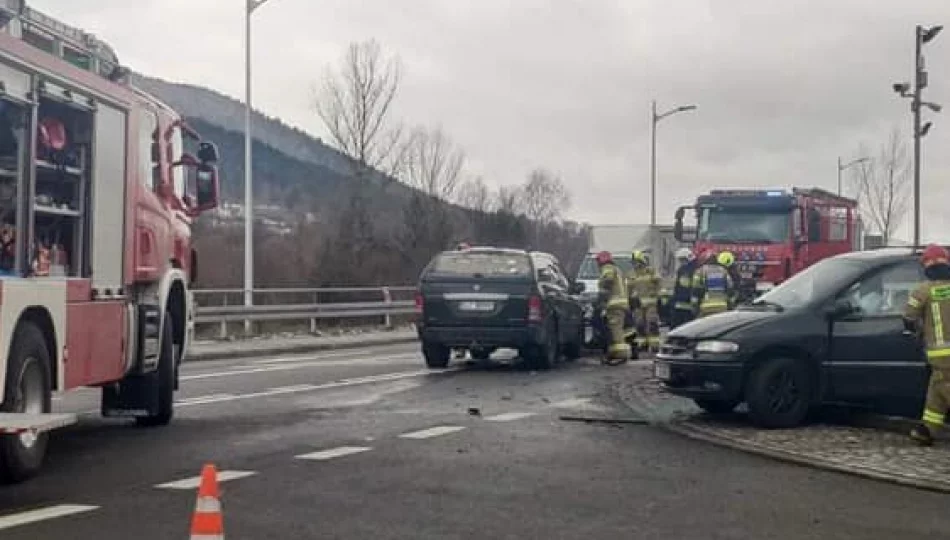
{"type": "Point", "coordinates": [482, 265]}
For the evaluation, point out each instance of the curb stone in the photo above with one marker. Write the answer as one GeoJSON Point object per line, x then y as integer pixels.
{"type": "Point", "coordinates": [231, 351]}
{"type": "Point", "coordinates": [641, 406]}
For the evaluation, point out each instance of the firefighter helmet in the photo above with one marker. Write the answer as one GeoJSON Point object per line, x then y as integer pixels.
{"type": "Point", "coordinates": [52, 134]}
{"type": "Point", "coordinates": [726, 258]}
{"type": "Point", "coordinates": [934, 255]}
{"type": "Point", "coordinates": [604, 257]}
{"type": "Point", "coordinates": [639, 257]}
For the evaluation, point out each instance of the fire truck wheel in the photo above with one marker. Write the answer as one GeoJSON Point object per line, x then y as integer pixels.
{"type": "Point", "coordinates": [28, 390]}
{"type": "Point", "coordinates": [165, 380]}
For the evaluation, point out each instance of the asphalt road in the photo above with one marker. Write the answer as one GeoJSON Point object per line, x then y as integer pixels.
{"type": "Point", "coordinates": [394, 452]}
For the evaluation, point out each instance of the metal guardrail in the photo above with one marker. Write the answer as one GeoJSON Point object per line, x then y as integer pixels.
{"type": "Point", "coordinates": [223, 306]}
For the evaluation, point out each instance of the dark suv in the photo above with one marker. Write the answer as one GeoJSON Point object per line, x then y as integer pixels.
{"type": "Point", "coordinates": [483, 299]}
{"type": "Point", "coordinates": [831, 333]}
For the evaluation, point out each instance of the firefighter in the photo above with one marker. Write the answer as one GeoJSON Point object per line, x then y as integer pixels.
{"type": "Point", "coordinates": [644, 287]}
{"type": "Point", "coordinates": [928, 315]}
{"type": "Point", "coordinates": [683, 309]}
{"type": "Point", "coordinates": [713, 286]}
{"type": "Point", "coordinates": [613, 296]}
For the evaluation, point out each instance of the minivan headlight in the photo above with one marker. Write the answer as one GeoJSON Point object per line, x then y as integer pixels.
{"type": "Point", "coordinates": [716, 347]}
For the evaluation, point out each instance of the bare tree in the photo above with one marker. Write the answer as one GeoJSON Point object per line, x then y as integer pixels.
{"type": "Point", "coordinates": [433, 164]}
{"type": "Point", "coordinates": [882, 185]}
{"type": "Point", "coordinates": [355, 103]}
{"type": "Point", "coordinates": [475, 195]}
{"type": "Point", "coordinates": [546, 198]}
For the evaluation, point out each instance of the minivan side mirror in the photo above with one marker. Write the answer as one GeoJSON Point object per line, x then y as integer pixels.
{"type": "Point", "coordinates": [842, 307]}
{"type": "Point", "coordinates": [545, 276]}
{"type": "Point", "coordinates": [577, 287]}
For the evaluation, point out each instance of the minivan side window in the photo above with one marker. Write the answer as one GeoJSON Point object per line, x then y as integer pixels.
{"type": "Point", "coordinates": [885, 292]}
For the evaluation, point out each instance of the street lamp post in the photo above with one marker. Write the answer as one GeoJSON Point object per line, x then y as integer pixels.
{"type": "Point", "coordinates": [251, 6]}
{"type": "Point", "coordinates": [921, 37]}
{"type": "Point", "coordinates": [654, 119]}
{"type": "Point", "coordinates": [847, 166]}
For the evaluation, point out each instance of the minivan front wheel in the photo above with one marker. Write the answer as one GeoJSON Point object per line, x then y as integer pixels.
{"type": "Point", "coordinates": [437, 355]}
{"type": "Point", "coordinates": [779, 393]}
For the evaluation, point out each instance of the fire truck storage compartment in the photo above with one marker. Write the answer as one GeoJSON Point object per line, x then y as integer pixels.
{"type": "Point", "coordinates": [60, 194]}
{"type": "Point", "coordinates": [14, 124]}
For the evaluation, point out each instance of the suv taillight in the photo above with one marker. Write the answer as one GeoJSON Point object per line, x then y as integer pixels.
{"type": "Point", "coordinates": [419, 303]}
{"type": "Point", "coordinates": [534, 309]}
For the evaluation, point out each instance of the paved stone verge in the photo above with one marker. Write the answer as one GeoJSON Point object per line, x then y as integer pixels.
{"type": "Point", "coordinates": [243, 348]}
{"type": "Point", "coordinates": [845, 447]}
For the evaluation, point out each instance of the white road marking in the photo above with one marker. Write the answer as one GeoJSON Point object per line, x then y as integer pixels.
{"type": "Point", "coordinates": [290, 365]}
{"type": "Point", "coordinates": [381, 358]}
{"type": "Point", "coordinates": [42, 514]}
{"type": "Point", "coordinates": [334, 452]}
{"type": "Point", "coordinates": [210, 398]}
{"type": "Point", "coordinates": [431, 432]}
{"type": "Point", "coordinates": [508, 417]}
{"type": "Point", "coordinates": [568, 403]}
{"type": "Point", "coordinates": [309, 388]}
{"type": "Point", "coordinates": [192, 483]}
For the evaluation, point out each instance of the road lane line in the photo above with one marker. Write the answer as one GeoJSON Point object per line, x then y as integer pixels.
{"type": "Point", "coordinates": [269, 368]}
{"type": "Point", "coordinates": [381, 358]}
{"type": "Point", "coordinates": [192, 483]}
{"type": "Point", "coordinates": [325, 386]}
{"type": "Point", "coordinates": [42, 514]}
{"type": "Point", "coordinates": [437, 431]}
{"type": "Point", "coordinates": [568, 403]}
{"type": "Point", "coordinates": [334, 453]}
{"type": "Point", "coordinates": [203, 399]}
{"type": "Point", "coordinates": [509, 417]}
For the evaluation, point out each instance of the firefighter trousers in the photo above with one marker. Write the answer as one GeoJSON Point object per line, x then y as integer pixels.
{"type": "Point", "coordinates": [618, 348]}
{"type": "Point", "coordinates": [938, 399]}
{"type": "Point", "coordinates": [648, 326]}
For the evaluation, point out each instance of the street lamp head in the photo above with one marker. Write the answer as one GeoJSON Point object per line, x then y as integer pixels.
{"type": "Point", "coordinates": [901, 88]}
{"type": "Point", "coordinates": [686, 108]}
{"type": "Point", "coordinates": [935, 107]}
{"type": "Point", "coordinates": [925, 129]}
{"type": "Point", "coordinates": [931, 33]}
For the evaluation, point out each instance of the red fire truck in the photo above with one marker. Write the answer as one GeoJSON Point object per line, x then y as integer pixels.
{"type": "Point", "coordinates": [773, 233]}
{"type": "Point", "coordinates": [97, 194]}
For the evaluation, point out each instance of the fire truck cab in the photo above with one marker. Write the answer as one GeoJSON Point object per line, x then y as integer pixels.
{"type": "Point", "coordinates": [98, 190]}
{"type": "Point", "coordinates": [773, 233]}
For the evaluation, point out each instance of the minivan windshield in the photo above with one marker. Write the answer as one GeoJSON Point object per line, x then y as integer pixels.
{"type": "Point", "coordinates": [471, 264]}
{"type": "Point", "coordinates": [814, 284]}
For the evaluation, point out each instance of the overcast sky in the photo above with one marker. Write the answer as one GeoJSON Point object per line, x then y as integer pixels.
{"type": "Point", "coordinates": [783, 87]}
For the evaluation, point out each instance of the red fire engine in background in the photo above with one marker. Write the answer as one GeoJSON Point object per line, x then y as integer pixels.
{"type": "Point", "coordinates": [97, 196]}
{"type": "Point", "coordinates": [773, 233]}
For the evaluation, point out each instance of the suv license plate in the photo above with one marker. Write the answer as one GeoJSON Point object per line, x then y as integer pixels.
{"type": "Point", "coordinates": [661, 371]}
{"type": "Point", "coordinates": [477, 306]}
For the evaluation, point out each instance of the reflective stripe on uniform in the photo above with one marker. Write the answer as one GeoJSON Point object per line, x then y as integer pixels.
{"type": "Point", "coordinates": [618, 302]}
{"type": "Point", "coordinates": [933, 417]}
{"type": "Point", "coordinates": [715, 304]}
{"type": "Point", "coordinates": [943, 352]}
{"type": "Point", "coordinates": [914, 303]}
{"type": "Point", "coordinates": [937, 322]}
{"type": "Point", "coordinates": [683, 305]}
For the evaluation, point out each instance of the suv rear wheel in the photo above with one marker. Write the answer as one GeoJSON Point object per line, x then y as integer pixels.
{"type": "Point", "coordinates": [543, 355]}
{"type": "Point", "coordinates": [437, 355]}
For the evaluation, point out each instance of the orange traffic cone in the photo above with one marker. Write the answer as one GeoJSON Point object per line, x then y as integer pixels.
{"type": "Point", "coordinates": [208, 522]}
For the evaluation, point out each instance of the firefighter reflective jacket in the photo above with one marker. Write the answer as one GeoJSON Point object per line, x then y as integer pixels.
{"type": "Point", "coordinates": [612, 286]}
{"type": "Point", "coordinates": [683, 289]}
{"type": "Point", "coordinates": [929, 309]}
{"type": "Point", "coordinates": [644, 285]}
{"type": "Point", "coordinates": [713, 288]}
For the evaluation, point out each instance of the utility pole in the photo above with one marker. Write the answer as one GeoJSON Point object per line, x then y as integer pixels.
{"type": "Point", "coordinates": [922, 36]}
{"type": "Point", "coordinates": [654, 119]}
{"type": "Point", "coordinates": [250, 6]}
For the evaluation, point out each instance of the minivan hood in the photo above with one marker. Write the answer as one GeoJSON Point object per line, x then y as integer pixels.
{"type": "Point", "coordinates": [717, 325]}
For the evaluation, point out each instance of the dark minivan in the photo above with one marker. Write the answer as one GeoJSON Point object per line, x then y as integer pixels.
{"type": "Point", "coordinates": [483, 299]}
{"type": "Point", "coordinates": [832, 333]}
